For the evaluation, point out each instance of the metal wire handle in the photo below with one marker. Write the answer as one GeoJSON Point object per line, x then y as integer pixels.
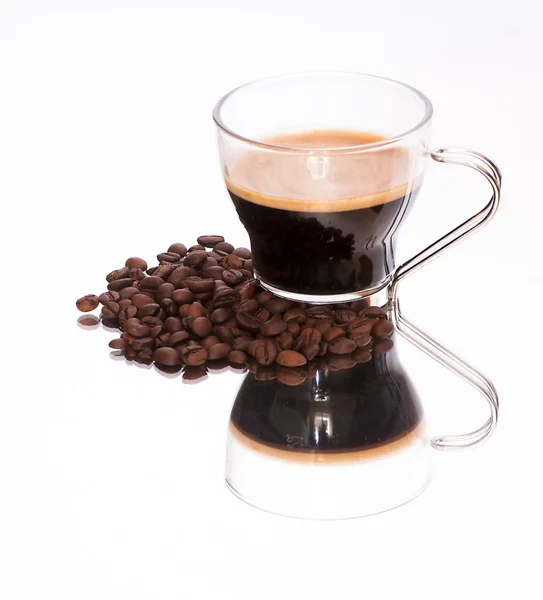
{"type": "Point", "coordinates": [484, 166]}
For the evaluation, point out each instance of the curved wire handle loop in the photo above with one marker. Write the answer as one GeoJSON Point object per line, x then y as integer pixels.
{"type": "Point", "coordinates": [484, 166]}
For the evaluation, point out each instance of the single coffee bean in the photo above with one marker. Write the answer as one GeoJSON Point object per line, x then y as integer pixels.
{"type": "Point", "coordinates": [265, 353]}
{"type": "Point", "coordinates": [142, 343]}
{"type": "Point", "coordinates": [291, 358]}
{"type": "Point", "coordinates": [310, 334]}
{"type": "Point", "coordinates": [127, 313]}
{"type": "Point", "coordinates": [196, 247]}
{"type": "Point", "coordinates": [247, 289]}
{"type": "Point", "coordinates": [295, 314]}
{"type": "Point", "coordinates": [244, 253]}
{"type": "Point", "coordinates": [179, 275]}
{"type": "Point", "coordinates": [209, 262]}
{"type": "Point", "coordinates": [219, 283]}
{"type": "Point", "coordinates": [310, 350]}
{"type": "Point", "coordinates": [165, 338]}
{"type": "Point", "coordinates": [108, 315]}
{"type": "Point", "coordinates": [262, 314]}
{"type": "Point", "coordinates": [164, 271]}
{"type": "Point", "coordinates": [360, 325]}
{"type": "Point", "coordinates": [194, 356]}
{"type": "Point", "coordinates": [248, 306]}
{"type": "Point", "coordinates": [129, 353]}
{"type": "Point", "coordinates": [225, 297]}
{"type": "Point", "coordinates": [373, 312]}
{"type": "Point", "coordinates": [361, 355]}
{"type": "Point", "coordinates": [182, 296]}
{"type": "Point", "coordinates": [248, 265]}
{"type": "Point", "coordinates": [233, 262]}
{"type": "Point", "coordinates": [232, 276]}
{"type": "Point", "coordinates": [118, 344]}
{"type": "Point", "coordinates": [178, 338]}
{"type": "Point", "coordinates": [220, 315]}
{"type": "Point", "coordinates": [139, 300]}
{"type": "Point", "coordinates": [344, 315]}
{"type": "Point", "coordinates": [124, 303]}
{"type": "Point", "coordinates": [291, 377]}
{"type": "Point", "coordinates": [166, 356]}
{"type": "Point", "coordinates": [251, 348]}
{"type": "Point", "coordinates": [210, 240]}
{"type": "Point", "coordinates": [173, 324]}
{"type": "Point", "coordinates": [210, 340]}
{"type": "Point", "coordinates": [341, 345]}
{"type": "Point", "coordinates": [247, 322]}
{"type": "Point", "coordinates": [193, 259]}
{"type": "Point", "coordinates": [362, 340]}
{"type": "Point", "coordinates": [333, 333]}
{"type": "Point", "coordinates": [223, 247]}
{"type": "Point", "coordinates": [237, 357]}
{"type": "Point", "coordinates": [118, 274]}
{"type": "Point", "coordinates": [323, 348]}
{"type": "Point", "coordinates": [151, 283]}
{"type": "Point", "coordinates": [164, 290]}
{"type": "Point", "coordinates": [151, 321]}
{"type": "Point", "coordinates": [383, 328]}
{"type": "Point", "coordinates": [277, 305]}
{"type": "Point", "coordinates": [264, 297]}
{"type": "Point", "coordinates": [113, 307]}
{"type": "Point", "coordinates": [218, 351]}
{"type": "Point", "coordinates": [149, 310]}
{"type": "Point", "coordinates": [200, 286]}
{"type": "Point", "coordinates": [156, 330]}
{"type": "Point", "coordinates": [212, 272]}
{"type": "Point", "coordinates": [285, 341]}
{"type": "Point", "coordinates": [319, 312]}
{"type": "Point", "coordinates": [201, 326]}
{"type": "Point", "coordinates": [246, 274]}
{"type": "Point", "coordinates": [180, 249]}
{"type": "Point", "coordinates": [224, 334]}
{"type": "Point", "coordinates": [119, 284]}
{"type": "Point", "coordinates": [382, 346]}
{"type": "Point", "coordinates": [109, 297]}
{"type": "Point", "coordinates": [184, 310]}
{"type": "Point", "coordinates": [87, 303]}
{"type": "Point", "coordinates": [135, 262]}
{"type": "Point", "coordinates": [294, 328]}
{"type": "Point", "coordinates": [127, 292]}
{"type": "Point", "coordinates": [168, 257]}
{"type": "Point", "coordinates": [197, 310]}
{"type": "Point", "coordinates": [135, 328]}
{"type": "Point", "coordinates": [273, 327]}
{"type": "Point", "coordinates": [242, 342]}
{"type": "Point", "coordinates": [323, 325]}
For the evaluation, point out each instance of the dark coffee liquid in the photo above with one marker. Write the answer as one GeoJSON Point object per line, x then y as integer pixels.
{"type": "Point", "coordinates": [368, 406]}
{"type": "Point", "coordinates": [322, 222]}
{"type": "Point", "coordinates": [322, 253]}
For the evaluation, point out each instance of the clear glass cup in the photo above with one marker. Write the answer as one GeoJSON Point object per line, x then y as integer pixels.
{"type": "Point", "coordinates": [322, 169]}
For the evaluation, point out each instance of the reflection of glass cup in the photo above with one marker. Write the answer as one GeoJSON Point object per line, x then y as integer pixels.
{"type": "Point", "coordinates": [322, 168]}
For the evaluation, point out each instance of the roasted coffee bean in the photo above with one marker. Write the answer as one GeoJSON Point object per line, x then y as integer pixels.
{"type": "Point", "coordinates": [295, 314]}
{"type": "Point", "coordinates": [135, 328]}
{"type": "Point", "coordinates": [118, 274]}
{"type": "Point", "coordinates": [294, 328]}
{"type": "Point", "coordinates": [127, 313]}
{"type": "Point", "coordinates": [179, 275]}
{"type": "Point", "coordinates": [248, 322]}
{"type": "Point", "coordinates": [178, 338]}
{"type": "Point", "coordinates": [128, 292]}
{"type": "Point", "coordinates": [223, 247]}
{"type": "Point", "coordinates": [277, 305]}
{"type": "Point", "coordinates": [200, 286]}
{"type": "Point", "coordinates": [360, 325]}
{"type": "Point", "coordinates": [219, 283]}
{"type": "Point", "coordinates": [129, 353]}
{"type": "Point", "coordinates": [323, 325]}
{"type": "Point", "coordinates": [87, 303]}
{"type": "Point", "coordinates": [166, 356]}
{"type": "Point", "coordinates": [139, 300]}
{"type": "Point", "coordinates": [164, 271]}
{"type": "Point", "coordinates": [248, 266]}
{"type": "Point", "coordinates": [119, 284]}
{"type": "Point", "coordinates": [210, 240]}
{"type": "Point", "coordinates": [333, 333]}
{"type": "Point", "coordinates": [341, 345]}
{"type": "Point", "coordinates": [152, 321]}
{"type": "Point", "coordinates": [247, 289]}
{"type": "Point", "coordinates": [383, 345]}
{"type": "Point", "coordinates": [285, 341]}
{"type": "Point", "coordinates": [144, 342]}
{"type": "Point", "coordinates": [290, 358]}
{"type": "Point", "coordinates": [201, 326]}
{"type": "Point", "coordinates": [113, 307]}
{"type": "Point", "coordinates": [194, 356]}
{"type": "Point", "coordinates": [383, 328]}
{"type": "Point", "coordinates": [225, 297]}
{"type": "Point", "coordinates": [196, 247]}
{"type": "Point", "coordinates": [149, 310]}
{"type": "Point", "coordinates": [224, 333]}
{"type": "Point", "coordinates": [164, 290]}
{"type": "Point", "coordinates": [310, 350]}
{"type": "Point", "coordinates": [220, 315]}
{"type": "Point", "coordinates": [251, 348]}
{"type": "Point", "coordinates": [165, 303]}
{"type": "Point", "coordinates": [182, 296]}
{"type": "Point", "coordinates": [184, 310]}
{"type": "Point", "coordinates": [151, 270]}
{"type": "Point", "coordinates": [209, 341]}
{"type": "Point", "coordinates": [193, 259]}
{"type": "Point", "coordinates": [232, 276]}
{"type": "Point", "coordinates": [361, 355]}
{"type": "Point", "coordinates": [168, 257]}
{"type": "Point", "coordinates": [319, 312]}
{"type": "Point", "coordinates": [323, 348]}
{"type": "Point", "coordinates": [264, 297]}
{"type": "Point", "coordinates": [151, 283]}
{"type": "Point", "coordinates": [135, 262]}
{"type": "Point", "coordinates": [209, 262]}
{"type": "Point", "coordinates": [237, 357]}
{"type": "Point", "coordinates": [273, 327]}
{"type": "Point", "coordinates": [262, 314]}
{"type": "Point", "coordinates": [246, 274]}
{"type": "Point", "coordinates": [108, 315]}
{"type": "Point", "coordinates": [265, 353]}
{"type": "Point", "coordinates": [242, 342]}
{"type": "Point", "coordinates": [214, 272]}
{"type": "Point", "coordinates": [244, 253]}
{"type": "Point", "coordinates": [173, 324]}
{"type": "Point", "coordinates": [118, 344]}
{"type": "Point", "coordinates": [165, 338]}
{"type": "Point", "coordinates": [249, 306]}
{"type": "Point", "coordinates": [310, 334]}
{"type": "Point", "coordinates": [218, 351]}
{"type": "Point", "coordinates": [373, 312]}
{"type": "Point", "coordinates": [233, 262]}
{"type": "Point", "coordinates": [109, 297]}
{"type": "Point", "coordinates": [344, 315]}
{"type": "Point", "coordinates": [124, 303]}
{"type": "Point", "coordinates": [180, 249]}
{"type": "Point", "coordinates": [197, 310]}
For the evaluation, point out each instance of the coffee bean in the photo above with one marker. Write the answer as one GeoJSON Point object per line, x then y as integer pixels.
{"type": "Point", "coordinates": [118, 344]}
{"type": "Point", "coordinates": [142, 343]}
{"type": "Point", "coordinates": [135, 328]}
{"type": "Point", "coordinates": [194, 356]}
{"type": "Point", "coordinates": [291, 358]}
{"type": "Point", "coordinates": [139, 300]}
{"type": "Point", "coordinates": [127, 313]}
{"type": "Point", "coordinates": [182, 296]}
{"type": "Point", "coordinates": [383, 345]}
{"type": "Point", "coordinates": [362, 340]}
{"type": "Point", "coordinates": [232, 276]}
{"type": "Point", "coordinates": [273, 327]}
{"type": "Point", "coordinates": [197, 310]}
{"type": "Point", "coordinates": [145, 356]}
{"type": "Point", "coordinates": [164, 290]}
{"type": "Point", "coordinates": [373, 312]}
{"type": "Point", "coordinates": [180, 249]}
{"type": "Point", "coordinates": [164, 338]}
{"type": "Point", "coordinates": [237, 357]}
{"type": "Point", "coordinates": [295, 314]}
{"type": "Point", "coordinates": [124, 303]}
{"type": "Point", "coordinates": [166, 356]}
{"type": "Point", "coordinates": [344, 315]}
{"type": "Point", "coordinates": [323, 325]}
{"type": "Point", "coordinates": [291, 377]}
{"type": "Point", "coordinates": [127, 292]}
{"type": "Point", "coordinates": [248, 289]}
{"type": "Point", "coordinates": [233, 262]}
{"type": "Point", "coordinates": [341, 345]}
{"type": "Point", "coordinates": [168, 257]}
{"type": "Point", "coordinates": [164, 271]}
{"type": "Point", "coordinates": [252, 347]}
{"type": "Point", "coordinates": [262, 315]}
{"type": "Point", "coordinates": [109, 297]}
{"type": "Point", "coordinates": [310, 350]}
{"type": "Point", "coordinates": [333, 333]}
{"type": "Point", "coordinates": [199, 286]}
{"type": "Point", "coordinates": [361, 355]}
{"type": "Point", "coordinates": [134, 262]}
{"type": "Point", "coordinates": [108, 315]}
{"type": "Point", "coordinates": [113, 307]}
{"type": "Point", "coordinates": [173, 324]}
{"type": "Point", "coordinates": [265, 353]}
{"type": "Point", "coordinates": [210, 240]}
{"type": "Point", "coordinates": [294, 328]}
{"type": "Point", "coordinates": [179, 275]}
{"type": "Point", "coordinates": [119, 284]}
{"type": "Point", "coordinates": [244, 253]}
{"type": "Point", "coordinates": [285, 341]}
{"type": "Point", "coordinates": [248, 265]}
{"type": "Point", "coordinates": [151, 283]}
{"type": "Point", "coordinates": [201, 326]}
{"type": "Point", "coordinates": [220, 315]}
{"type": "Point", "coordinates": [87, 303]}
{"type": "Point", "coordinates": [178, 338]}
{"type": "Point", "coordinates": [264, 297]}
{"type": "Point", "coordinates": [218, 351]}
{"type": "Point", "coordinates": [149, 310]}
{"type": "Point", "coordinates": [129, 353]}
{"type": "Point", "coordinates": [383, 328]}
{"type": "Point", "coordinates": [151, 321]}
{"type": "Point", "coordinates": [118, 274]}
{"type": "Point", "coordinates": [209, 341]}
{"type": "Point", "coordinates": [310, 334]}
{"type": "Point", "coordinates": [277, 305]}
{"type": "Point", "coordinates": [242, 342]}
{"type": "Point", "coordinates": [223, 247]}
{"type": "Point", "coordinates": [212, 272]}
{"type": "Point", "coordinates": [225, 297]}
{"type": "Point", "coordinates": [195, 258]}
{"type": "Point", "coordinates": [360, 325]}
{"type": "Point", "coordinates": [224, 333]}
{"type": "Point", "coordinates": [247, 322]}
{"type": "Point", "coordinates": [248, 306]}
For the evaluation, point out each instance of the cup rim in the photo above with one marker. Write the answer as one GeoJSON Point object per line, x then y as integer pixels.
{"type": "Point", "coordinates": [428, 112]}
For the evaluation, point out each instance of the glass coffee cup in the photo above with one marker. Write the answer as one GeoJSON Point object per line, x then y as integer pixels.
{"type": "Point", "coordinates": [322, 169]}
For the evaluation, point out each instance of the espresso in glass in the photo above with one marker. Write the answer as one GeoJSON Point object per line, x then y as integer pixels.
{"type": "Point", "coordinates": [323, 222]}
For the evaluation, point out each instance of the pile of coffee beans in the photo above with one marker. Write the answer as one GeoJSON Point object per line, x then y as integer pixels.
{"type": "Point", "coordinates": [201, 305]}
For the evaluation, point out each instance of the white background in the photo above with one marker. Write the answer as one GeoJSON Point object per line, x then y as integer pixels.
{"type": "Point", "coordinates": [111, 476]}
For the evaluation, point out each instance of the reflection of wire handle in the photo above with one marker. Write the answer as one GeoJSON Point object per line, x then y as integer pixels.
{"type": "Point", "coordinates": [491, 173]}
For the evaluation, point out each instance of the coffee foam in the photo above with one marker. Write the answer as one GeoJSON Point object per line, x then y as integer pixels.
{"type": "Point", "coordinates": [313, 180]}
